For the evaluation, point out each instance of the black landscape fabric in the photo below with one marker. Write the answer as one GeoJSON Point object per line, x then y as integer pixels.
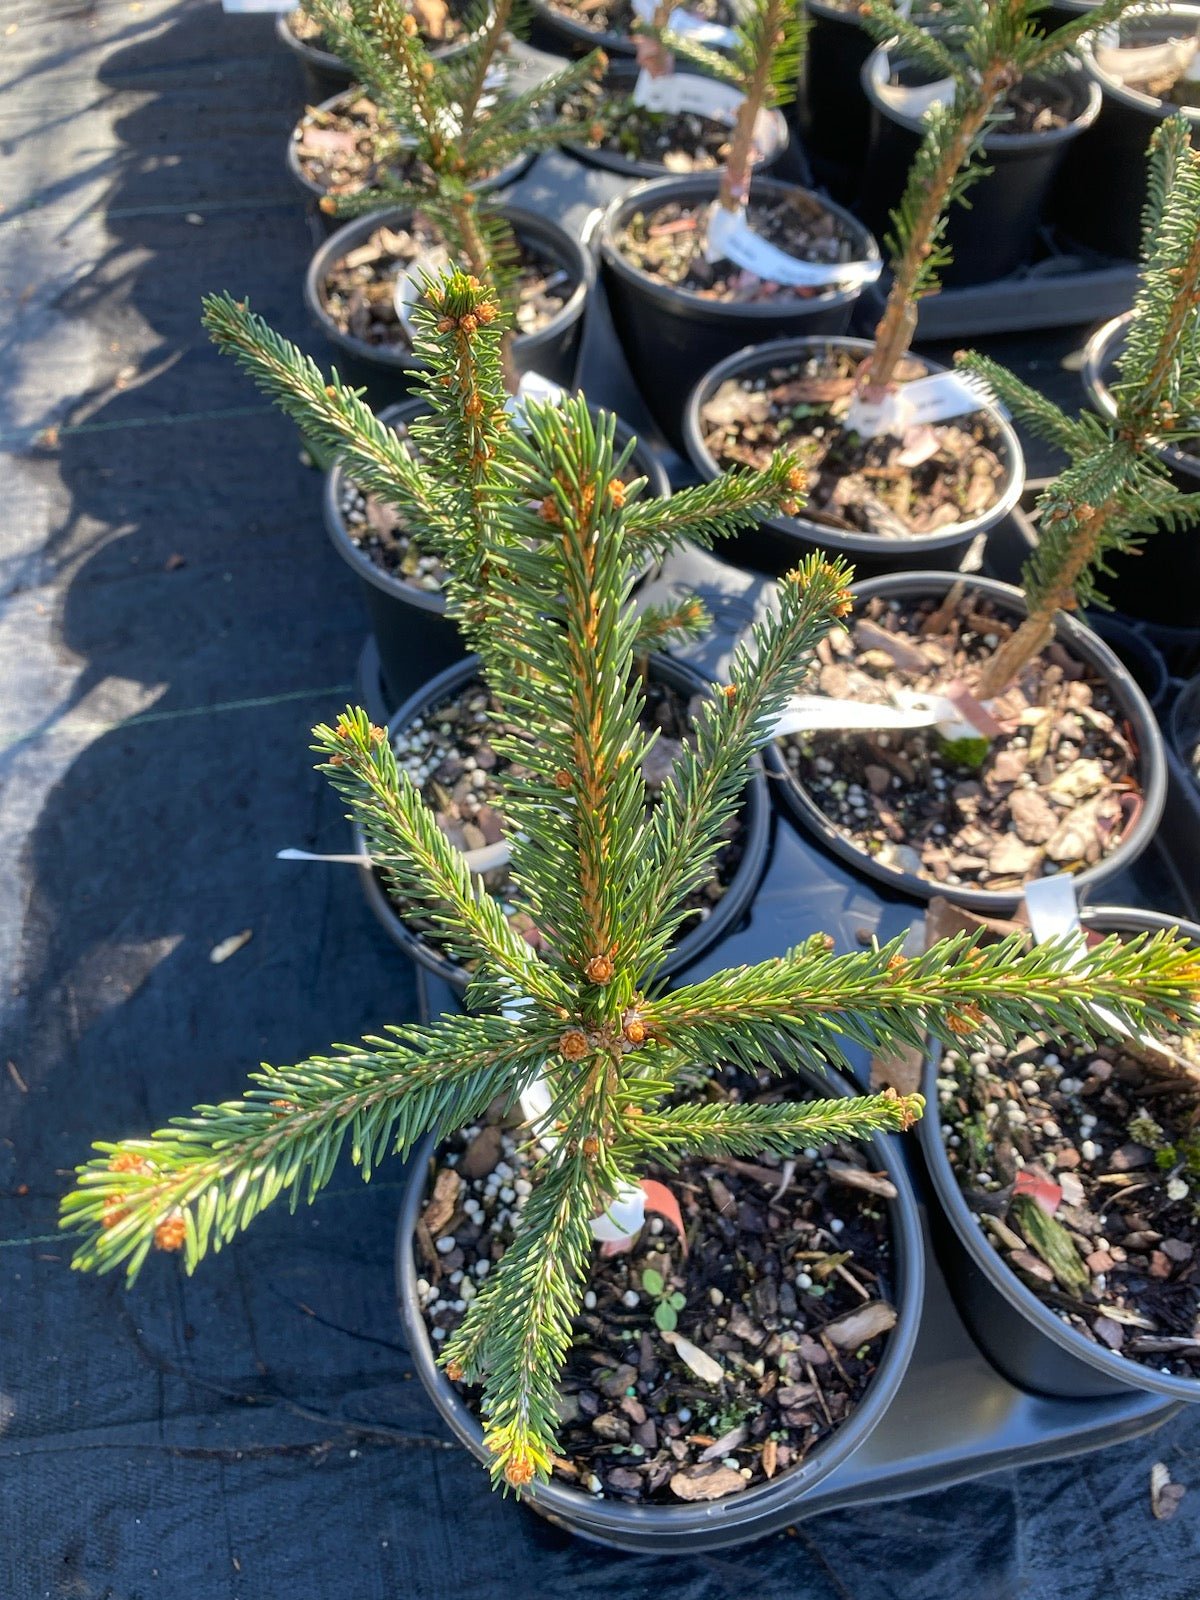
{"type": "Point", "coordinates": [172, 622]}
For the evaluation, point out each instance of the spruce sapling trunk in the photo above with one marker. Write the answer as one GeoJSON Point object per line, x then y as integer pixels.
{"type": "Point", "coordinates": [1116, 489]}
{"type": "Point", "coordinates": [735, 178]}
{"type": "Point", "coordinates": [995, 44]}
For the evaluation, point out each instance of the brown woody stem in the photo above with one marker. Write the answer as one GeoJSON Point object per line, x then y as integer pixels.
{"type": "Point", "coordinates": [894, 334]}
{"type": "Point", "coordinates": [735, 179]}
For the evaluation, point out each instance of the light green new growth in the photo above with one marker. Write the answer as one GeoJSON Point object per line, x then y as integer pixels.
{"type": "Point", "coordinates": [547, 543]}
{"type": "Point", "coordinates": [1117, 489]}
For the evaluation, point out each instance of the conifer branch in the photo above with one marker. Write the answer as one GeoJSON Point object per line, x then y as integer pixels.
{"type": "Point", "coordinates": [1116, 489]}
{"type": "Point", "coordinates": [814, 1001]}
{"type": "Point", "coordinates": [713, 768]}
{"type": "Point", "coordinates": [779, 1128]}
{"type": "Point", "coordinates": [194, 1185]}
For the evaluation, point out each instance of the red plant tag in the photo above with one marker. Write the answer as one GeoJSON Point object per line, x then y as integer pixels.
{"type": "Point", "coordinates": [1042, 1190]}
{"type": "Point", "coordinates": [663, 1203]}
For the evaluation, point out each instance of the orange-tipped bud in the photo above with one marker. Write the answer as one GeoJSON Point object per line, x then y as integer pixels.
{"type": "Point", "coordinates": [170, 1233]}
{"type": "Point", "coordinates": [600, 970]}
{"type": "Point", "coordinates": [573, 1045]}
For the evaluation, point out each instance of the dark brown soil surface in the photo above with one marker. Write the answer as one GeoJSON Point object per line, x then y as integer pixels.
{"type": "Point", "coordinates": [934, 477]}
{"type": "Point", "coordinates": [668, 244]}
{"type": "Point", "coordinates": [1036, 108]}
{"type": "Point", "coordinates": [1084, 1167]}
{"type": "Point", "coordinates": [359, 290]}
{"type": "Point", "coordinates": [1054, 794]}
{"type": "Point", "coordinates": [339, 149]}
{"type": "Point", "coordinates": [677, 142]}
{"type": "Point", "coordinates": [448, 753]}
{"type": "Point", "coordinates": [786, 1286]}
{"type": "Point", "coordinates": [618, 16]}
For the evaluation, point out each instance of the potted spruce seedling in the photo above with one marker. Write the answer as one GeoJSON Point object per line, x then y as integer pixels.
{"type": "Point", "coordinates": [1147, 69]}
{"type": "Point", "coordinates": [1053, 760]}
{"type": "Point", "coordinates": [450, 734]}
{"type": "Point", "coordinates": [1039, 114]}
{"type": "Point", "coordinates": [1069, 1180]}
{"type": "Point", "coordinates": [657, 120]}
{"type": "Point", "coordinates": [457, 138]}
{"type": "Point", "coordinates": [610, 1082]}
{"type": "Point", "coordinates": [698, 266]}
{"type": "Point", "coordinates": [361, 139]}
{"type": "Point", "coordinates": [896, 483]}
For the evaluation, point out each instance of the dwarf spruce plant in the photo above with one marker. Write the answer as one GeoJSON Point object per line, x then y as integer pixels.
{"type": "Point", "coordinates": [444, 117]}
{"type": "Point", "coordinates": [545, 544]}
{"type": "Point", "coordinates": [985, 48]}
{"type": "Point", "coordinates": [1117, 489]}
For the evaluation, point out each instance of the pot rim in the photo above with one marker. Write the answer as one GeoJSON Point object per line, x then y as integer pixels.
{"type": "Point", "coordinates": [1096, 354]}
{"type": "Point", "coordinates": [647, 194]}
{"type": "Point", "coordinates": [1134, 98]}
{"type": "Point", "coordinates": [681, 953]}
{"type": "Point", "coordinates": [498, 180]}
{"type": "Point", "coordinates": [866, 544]}
{"type": "Point", "coordinates": [831, 13]}
{"type": "Point", "coordinates": [625, 67]}
{"type": "Point", "coordinates": [544, 230]}
{"type": "Point", "coordinates": [1109, 919]}
{"type": "Point", "coordinates": [1082, 642]}
{"type": "Point", "coordinates": [770, 1503]}
{"type": "Point", "coordinates": [658, 486]}
{"type": "Point", "coordinates": [997, 141]}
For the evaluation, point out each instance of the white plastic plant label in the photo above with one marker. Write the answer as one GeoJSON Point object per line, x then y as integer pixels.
{"type": "Point", "coordinates": [626, 1213]}
{"type": "Point", "coordinates": [532, 386]}
{"type": "Point", "coordinates": [410, 283]}
{"type": "Point", "coordinates": [487, 858]}
{"type": "Point", "coordinates": [231, 6]}
{"type": "Point", "coordinates": [814, 713]}
{"type": "Point", "coordinates": [1132, 63]}
{"type": "Point", "coordinates": [913, 101]}
{"type": "Point", "coordinates": [731, 238]}
{"type": "Point", "coordinates": [934, 399]}
{"type": "Point", "coordinates": [689, 26]}
{"type": "Point", "coordinates": [676, 92]}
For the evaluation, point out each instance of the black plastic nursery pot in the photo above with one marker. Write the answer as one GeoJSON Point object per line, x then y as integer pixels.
{"type": "Point", "coordinates": [671, 336]}
{"type": "Point", "coordinates": [1019, 1334]}
{"type": "Point", "coordinates": [995, 234]}
{"type": "Point", "coordinates": [1139, 654]}
{"type": "Point", "coordinates": [831, 112]}
{"type": "Point", "coordinates": [414, 636]}
{"type": "Point", "coordinates": [324, 73]}
{"type": "Point", "coordinates": [1101, 190]}
{"type": "Point", "coordinates": [1161, 581]}
{"type": "Point", "coordinates": [620, 78]}
{"type": "Point", "coordinates": [383, 370]}
{"type": "Point", "coordinates": [729, 910]}
{"type": "Point", "coordinates": [317, 191]}
{"type": "Point", "coordinates": [763, 1509]}
{"type": "Point", "coordinates": [775, 545]}
{"type": "Point", "coordinates": [1088, 648]}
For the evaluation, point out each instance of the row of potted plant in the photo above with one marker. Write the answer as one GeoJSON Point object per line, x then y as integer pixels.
{"type": "Point", "coordinates": [651, 1273]}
